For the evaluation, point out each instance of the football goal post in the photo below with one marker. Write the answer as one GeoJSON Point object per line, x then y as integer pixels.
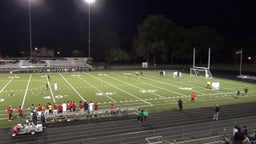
{"type": "Point", "coordinates": [201, 71]}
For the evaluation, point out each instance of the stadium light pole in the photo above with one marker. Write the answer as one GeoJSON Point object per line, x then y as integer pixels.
{"type": "Point", "coordinates": [89, 26]}
{"type": "Point", "coordinates": [30, 29]}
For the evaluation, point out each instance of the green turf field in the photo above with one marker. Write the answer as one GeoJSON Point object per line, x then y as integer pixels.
{"type": "Point", "coordinates": [122, 88]}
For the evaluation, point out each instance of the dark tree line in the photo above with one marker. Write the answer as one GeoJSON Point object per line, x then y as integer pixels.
{"type": "Point", "coordinates": [158, 40]}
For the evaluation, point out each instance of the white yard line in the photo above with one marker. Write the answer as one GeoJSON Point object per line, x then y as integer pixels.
{"type": "Point", "coordinates": [7, 83]}
{"type": "Point", "coordinates": [50, 88]}
{"type": "Point", "coordinates": [120, 89]}
{"type": "Point", "coordinates": [161, 87]}
{"type": "Point", "coordinates": [180, 83]}
{"type": "Point", "coordinates": [26, 91]}
{"type": "Point", "coordinates": [136, 86]}
{"type": "Point", "coordinates": [72, 87]}
{"type": "Point", "coordinates": [97, 89]}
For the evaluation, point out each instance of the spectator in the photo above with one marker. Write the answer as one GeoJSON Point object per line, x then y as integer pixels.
{"type": "Point", "coordinates": [142, 116]}
{"type": "Point", "coordinates": [34, 117]}
{"type": "Point", "coordinates": [180, 103]}
{"type": "Point", "coordinates": [235, 129]}
{"type": "Point", "coordinates": [43, 120]}
{"type": "Point", "coordinates": [216, 112]}
{"type": "Point", "coordinates": [245, 131]}
{"type": "Point", "coordinates": [138, 114]}
{"type": "Point", "coordinates": [239, 136]}
{"type": "Point", "coordinates": [32, 108]}
{"type": "Point", "coordinates": [145, 115]}
{"type": "Point", "coordinates": [50, 108]}
{"type": "Point", "coordinates": [86, 105]}
{"type": "Point", "coordinates": [246, 140]}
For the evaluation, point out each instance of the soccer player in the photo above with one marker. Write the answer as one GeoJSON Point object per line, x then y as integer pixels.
{"type": "Point", "coordinates": [46, 109]}
{"type": "Point", "coordinates": [81, 106]}
{"type": "Point", "coordinates": [10, 111]}
{"type": "Point", "coordinates": [193, 96]}
{"type": "Point", "coordinates": [39, 110]}
{"type": "Point", "coordinates": [64, 108]}
{"type": "Point", "coordinates": [208, 84]}
{"type": "Point", "coordinates": [96, 106]}
{"type": "Point", "coordinates": [238, 93]}
{"type": "Point", "coordinates": [245, 90]}
{"type": "Point", "coordinates": [60, 108]}
{"type": "Point", "coordinates": [55, 86]}
{"type": "Point", "coordinates": [46, 85]}
{"type": "Point", "coordinates": [74, 106]}
{"type": "Point", "coordinates": [112, 108]}
{"type": "Point", "coordinates": [20, 112]}
{"type": "Point", "coordinates": [91, 104]}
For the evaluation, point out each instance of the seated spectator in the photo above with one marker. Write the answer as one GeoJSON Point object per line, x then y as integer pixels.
{"type": "Point", "coordinates": [239, 136]}
{"type": "Point", "coordinates": [235, 129]}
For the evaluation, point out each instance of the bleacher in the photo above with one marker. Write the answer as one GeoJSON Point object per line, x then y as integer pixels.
{"type": "Point", "coordinates": [43, 64]}
{"type": "Point", "coordinates": [119, 112]}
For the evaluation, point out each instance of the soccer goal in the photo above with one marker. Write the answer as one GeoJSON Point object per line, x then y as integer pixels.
{"type": "Point", "coordinates": [201, 71]}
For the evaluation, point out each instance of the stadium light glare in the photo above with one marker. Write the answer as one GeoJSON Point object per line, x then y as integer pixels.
{"type": "Point", "coordinates": [89, 1]}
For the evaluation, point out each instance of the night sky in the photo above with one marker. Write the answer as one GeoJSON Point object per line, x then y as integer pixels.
{"type": "Point", "coordinates": [60, 22]}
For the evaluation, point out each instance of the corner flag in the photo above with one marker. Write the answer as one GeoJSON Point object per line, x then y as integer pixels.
{"type": "Point", "coordinates": [239, 52]}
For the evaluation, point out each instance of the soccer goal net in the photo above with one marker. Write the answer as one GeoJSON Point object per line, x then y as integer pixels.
{"type": "Point", "coordinates": [200, 71]}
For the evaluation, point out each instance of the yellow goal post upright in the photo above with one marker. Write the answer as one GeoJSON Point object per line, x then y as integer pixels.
{"type": "Point", "coordinates": [201, 71]}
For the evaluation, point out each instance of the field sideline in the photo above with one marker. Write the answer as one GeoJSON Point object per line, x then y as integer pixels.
{"type": "Point", "coordinates": [122, 88]}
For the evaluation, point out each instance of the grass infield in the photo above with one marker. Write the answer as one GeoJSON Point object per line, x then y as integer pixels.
{"type": "Point", "coordinates": [122, 88]}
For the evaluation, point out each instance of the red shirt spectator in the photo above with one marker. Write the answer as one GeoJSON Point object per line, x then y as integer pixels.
{"type": "Point", "coordinates": [39, 108]}
{"type": "Point", "coordinates": [96, 106]}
